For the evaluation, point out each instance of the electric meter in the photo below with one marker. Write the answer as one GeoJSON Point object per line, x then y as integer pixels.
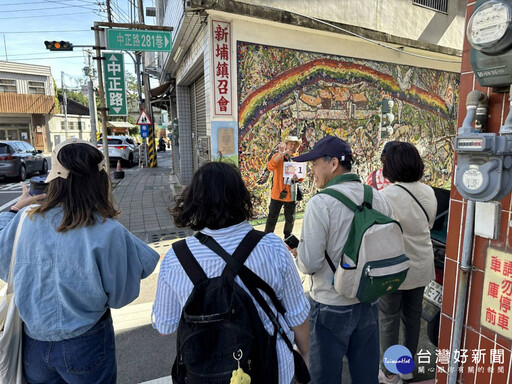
{"type": "Point", "coordinates": [488, 25]}
{"type": "Point", "coordinates": [489, 32]}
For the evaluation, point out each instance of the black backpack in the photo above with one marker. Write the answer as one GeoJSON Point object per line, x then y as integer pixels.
{"type": "Point", "coordinates": [220, 324]}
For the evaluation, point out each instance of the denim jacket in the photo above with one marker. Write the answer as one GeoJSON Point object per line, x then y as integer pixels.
{"type": "Point", "coordinates": [64, 282]}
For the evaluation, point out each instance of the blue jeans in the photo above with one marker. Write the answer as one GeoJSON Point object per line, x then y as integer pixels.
{"type": "Point", "coordinates": [86, 359]}
{"type": "Point", "coordinates": [406, 305]}
{"type": "Point", "coordinates": [336, 331]}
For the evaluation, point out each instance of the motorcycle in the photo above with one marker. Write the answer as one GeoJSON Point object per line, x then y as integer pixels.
{"type": "Point", "coordinates": [161, 146]}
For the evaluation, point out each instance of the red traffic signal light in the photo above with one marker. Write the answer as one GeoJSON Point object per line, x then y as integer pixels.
{"type": "Point", "coordinates": [58, 45]}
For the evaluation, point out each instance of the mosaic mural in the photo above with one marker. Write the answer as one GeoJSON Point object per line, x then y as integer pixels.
{"type": "Point", "coordinates": [284, 91]}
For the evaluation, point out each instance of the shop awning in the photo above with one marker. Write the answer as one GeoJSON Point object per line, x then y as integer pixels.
{"type": "Point", "coordinates": [120, 126]}
{"type": "Point", "coordinates": [160, 95]}
{"type": "Point", "coordinates": [161, 89]}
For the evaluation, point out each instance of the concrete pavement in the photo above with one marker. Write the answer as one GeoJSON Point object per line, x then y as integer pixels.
{"type": "Point", "coordinates": [144, 196]}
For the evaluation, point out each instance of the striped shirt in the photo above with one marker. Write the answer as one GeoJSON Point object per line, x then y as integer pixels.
{"type": "Point", "coordinates": [270, 260]}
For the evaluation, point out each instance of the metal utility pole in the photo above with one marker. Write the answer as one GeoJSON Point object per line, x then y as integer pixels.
{"type": "Point", "coordinates": [151, 147]}
{"type": "Point", "coordinates": [109, 12]}
{"type": "Point", "coordinates": [65, 104]}
{"type": "Point", "coordinates": [102, 108]}
{"type": "Point", "coordinates": [5, 47]}
{"type": "Point", "coordinates": [92, 99]}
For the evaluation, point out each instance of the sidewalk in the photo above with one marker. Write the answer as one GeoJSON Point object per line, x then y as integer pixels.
{"type": "Point", "coordinates": [144, 198]}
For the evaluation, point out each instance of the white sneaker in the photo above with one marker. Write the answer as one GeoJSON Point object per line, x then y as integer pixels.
{"type": "Point", "coordinates": [383, 379]}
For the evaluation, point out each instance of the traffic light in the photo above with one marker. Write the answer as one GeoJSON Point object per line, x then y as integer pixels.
{"type": "Point", "coordinates": [58, 45]}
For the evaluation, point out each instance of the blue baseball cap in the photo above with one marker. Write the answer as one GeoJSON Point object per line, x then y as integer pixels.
{"type": "Point", "coordinates": [327, 146]}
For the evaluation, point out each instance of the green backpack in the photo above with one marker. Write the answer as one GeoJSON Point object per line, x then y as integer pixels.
{"type": "Point", "coordinates": [373, 262]}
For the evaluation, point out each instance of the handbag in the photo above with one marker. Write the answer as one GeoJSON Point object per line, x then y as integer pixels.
{"type": "Point", "coordinates": [11, 326]}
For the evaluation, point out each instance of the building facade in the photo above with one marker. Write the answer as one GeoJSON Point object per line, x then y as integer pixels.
{"type": "Point", "coordinates": [27, 100]}
{"type": "Point", "coordinates": [78, 123]}
{"type": "Point", "coordinates": [484, 290]}
{"type": "Point", "coordinates": [248, 73]}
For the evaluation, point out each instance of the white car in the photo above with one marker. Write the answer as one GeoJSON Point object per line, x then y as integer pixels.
{"type": "Point", "coordinates": [121, 148]}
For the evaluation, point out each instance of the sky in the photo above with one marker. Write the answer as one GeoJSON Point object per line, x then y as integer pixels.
{"type": "Point", "coordinates": [26, 24]}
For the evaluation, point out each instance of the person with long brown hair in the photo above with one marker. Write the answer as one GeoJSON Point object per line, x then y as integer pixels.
{"type": "Point", "coordinates": [73, 263]}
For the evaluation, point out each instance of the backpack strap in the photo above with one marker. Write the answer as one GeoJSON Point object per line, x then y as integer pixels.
{"type": "Point", "coordinates": [368, 196]}
{"type": "Point", "coordinates": [416, 200]}
{"type": "Point", "coordinates": [367, 200]}
{"type": "Point", "coordinates": [329, 261]}
{"type": "Point", "coordinates": [248, 277]}
{"type": "Point", "coordinates": [341, 197]}
{"type": "Point", "coordinates": [235, 263]}
{"type": "Point", "coordinates": [243, 251]}
{"type": "Point", "coordinates": [189, 263]}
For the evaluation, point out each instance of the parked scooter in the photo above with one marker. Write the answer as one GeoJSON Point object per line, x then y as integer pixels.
{"type": "Point", "coordinates": [161, 145]}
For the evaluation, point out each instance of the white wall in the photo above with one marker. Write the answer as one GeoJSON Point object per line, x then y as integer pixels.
{"type": "Point", "coordinates": [281, 35]}
{"type": "Point", "coordinates": [22, 73]}
{"type": "Point", "coordinates": [396, 17]}
{"type": "Point", "coordinates": [54, 125]}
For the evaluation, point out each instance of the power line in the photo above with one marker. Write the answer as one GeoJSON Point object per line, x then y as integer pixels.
{"type": "Point", "coordinates": [72, 5]}
{"type": "Point", "coordinates": [91, 2]}
{"type": "Point", "coordinates": [34, 54]}
{"type": "Point", "coordinates": [120, 13]}
{"type": "Point", "coordinates": [46, 9]}
{"type": "Point", "coordinates": [31, 17]}
{"type": "Point", "coordinates": [61, 30]}
{"type": "Point", "coordinates": [49, 58]}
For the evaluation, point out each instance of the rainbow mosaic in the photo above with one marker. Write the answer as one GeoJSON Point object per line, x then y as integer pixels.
{"type": "Point", "coordinates": [283, 91]}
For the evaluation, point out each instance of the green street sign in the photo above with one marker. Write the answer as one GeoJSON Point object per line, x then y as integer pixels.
{"type": "Point", "coordinates": [115, 86]}
{"type": "Point", "coordinates": [139, 40]}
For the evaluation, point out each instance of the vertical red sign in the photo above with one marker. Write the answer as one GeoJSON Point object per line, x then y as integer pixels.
{"type": "Point", "coordinates": [221, 43]}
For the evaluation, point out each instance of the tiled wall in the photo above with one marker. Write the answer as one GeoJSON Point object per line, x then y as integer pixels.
{"type": "Point", "coordinates": [195, 63]}
{"type": "Point", "coordinates": [474, 336]}
{"type": "Point", "coordinates": [185, 139]}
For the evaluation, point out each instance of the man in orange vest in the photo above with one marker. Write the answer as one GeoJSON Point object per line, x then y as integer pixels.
{"type": "Point", "coordinates": [280, 194]}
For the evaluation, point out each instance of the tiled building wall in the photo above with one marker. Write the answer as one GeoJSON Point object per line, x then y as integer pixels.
{"type": "Point", "coordinates": [474, 336]}
{"type": "Point", "coordinates": [195, 64]}
{"type": "Point", "coordinates": [185, 138]}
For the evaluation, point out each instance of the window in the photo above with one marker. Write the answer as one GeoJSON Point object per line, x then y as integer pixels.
{"type": "Point", "coordinates": [72, 125]}
{"type": "Point", "coordinates": [16, 148]}
{"type": "Point", "coordinates": [36, 87]}
{"type": "Point", "coordinates": [436, 5]}
{"type": "Point", "coordinates": [25, 147]}
{"type": "Point", "coordinates": [7, 86]}
{"type": "Point", "coordinates": [4, 149]}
